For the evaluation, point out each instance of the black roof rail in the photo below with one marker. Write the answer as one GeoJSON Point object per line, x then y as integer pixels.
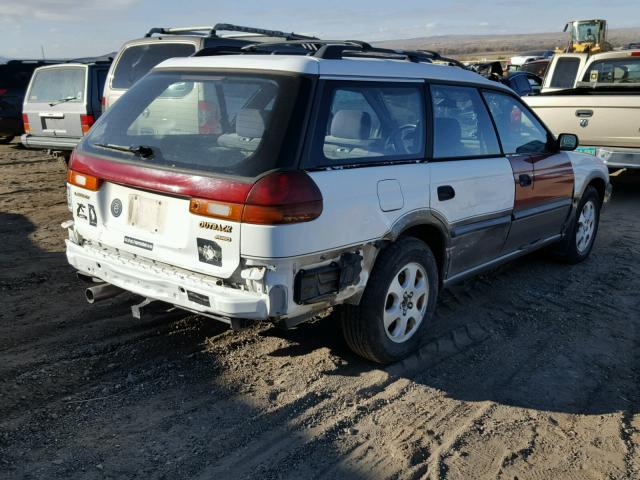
{"type": "Point", "coordinates": [36, 61]}
{"type": "Point", "coordinates": [258, 31]}
{"type": "Point", "coordinates": [218, 50]}
{"type": "Point", "coordinates": [181, 31]}
{"type": "Point", "coordinates": [300, 47]}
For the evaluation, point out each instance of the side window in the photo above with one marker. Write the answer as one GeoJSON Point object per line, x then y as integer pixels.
{"type": "Point", "coordinates": [461, 125]}
{"type": "Point", "coordinates": [366, 121]}
{"type": "Point", "coordinates": [520, 132]}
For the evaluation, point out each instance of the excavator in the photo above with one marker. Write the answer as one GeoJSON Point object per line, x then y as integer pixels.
{"type": "Point", "coordinates": [587, 36]}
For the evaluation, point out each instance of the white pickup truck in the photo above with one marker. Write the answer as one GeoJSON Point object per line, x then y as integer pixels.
{"type": "Point", "coordinates": [596, 98]}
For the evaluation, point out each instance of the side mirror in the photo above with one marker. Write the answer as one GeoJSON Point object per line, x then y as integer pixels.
{"type": "Point", "coordinates": [567, 142]}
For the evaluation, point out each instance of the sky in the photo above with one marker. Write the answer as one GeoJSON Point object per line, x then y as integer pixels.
{"type": "Point", "coordinates": [74, 28]}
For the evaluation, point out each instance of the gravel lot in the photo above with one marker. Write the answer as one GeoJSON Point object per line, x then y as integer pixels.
{"type": "Point", "coordinates": [530, 372]}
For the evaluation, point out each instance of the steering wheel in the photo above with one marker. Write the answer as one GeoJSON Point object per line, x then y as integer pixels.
{"type": "Point", "coordinates": [400, 139]}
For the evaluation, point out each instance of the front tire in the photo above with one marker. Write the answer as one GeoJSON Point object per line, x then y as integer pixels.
{"type": "Point", "coordinates": [397, 304]}
{"type": "Point", "coordinates": [580, 238]}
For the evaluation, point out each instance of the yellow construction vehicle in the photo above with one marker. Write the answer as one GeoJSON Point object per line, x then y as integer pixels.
{"type": "Point", "coordinates": [587, 36]}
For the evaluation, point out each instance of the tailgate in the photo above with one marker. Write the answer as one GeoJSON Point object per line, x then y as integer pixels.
{"type": "Point", "coordinates": [598, 120]}
{"type": "Point", "coordinates": [155, 226]}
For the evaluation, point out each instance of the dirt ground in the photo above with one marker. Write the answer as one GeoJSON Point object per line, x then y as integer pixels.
{"type": "Point", "coordinates": [529, 372]}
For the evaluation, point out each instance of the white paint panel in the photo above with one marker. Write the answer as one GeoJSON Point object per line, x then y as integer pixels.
{"type": "Point", "coordinates": [351, 213]}
{"type": "Point", "coordinates": [482, 186]}
{"type": "Point", "coordinates": [586, 168]}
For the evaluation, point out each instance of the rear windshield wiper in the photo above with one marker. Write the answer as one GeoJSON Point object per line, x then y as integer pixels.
{"type": "Point", "coordinates": [144, 151]}
{"type": "Point", "coordinates": [62, 100]}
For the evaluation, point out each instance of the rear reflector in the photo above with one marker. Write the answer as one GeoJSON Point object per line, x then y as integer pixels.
{"type": "Point", "coordinates": [3, 91]}
{"type": "Point", "coordinates": [86, 121]}
{"type": "Point", "coordinates": [103, 103]}
{"type": "Point", "coordinates": [25, 122]}
{"type": "Point", "coordinates": [83, 180]}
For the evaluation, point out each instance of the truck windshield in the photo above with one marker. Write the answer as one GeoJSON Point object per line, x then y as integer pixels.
{"type": "Point", "coordinates": [228, 123]}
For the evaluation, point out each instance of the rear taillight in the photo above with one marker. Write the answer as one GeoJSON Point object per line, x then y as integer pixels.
{"type": "Point", "coordinates": [635, 54]}
{"type": "Point", "coordinates": [278, 198]}
{"type": "Point", "coordinates": [83, 180]}
{"type": "Point", "coordinates": [25, 122]}
{"type": "Point", "coordinates": [103, 103]}
{"type": "Point", "coordinates": [85, 122]}
{"type": "Point", "coordinates": [3, 91]}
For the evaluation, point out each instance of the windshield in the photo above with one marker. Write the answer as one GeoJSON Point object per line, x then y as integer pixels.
{"type": "Point", "coordinates": [138, 60]}
{"type": "Point", "coordinates": [229, 123]}
{"type": "Point", "coordinates": [620, 70]}
{"type": "Point", "coordinates": [586, 32]}
{"type": "Point", "coordinates": [58, 84]}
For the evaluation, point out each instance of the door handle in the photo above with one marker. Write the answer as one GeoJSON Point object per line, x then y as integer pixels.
{"type": "Point", "coordinates": [524, 180]}
{"type": "Point", "coordinates": [446, 192]}
{"type": "Point", "coordinates": [584, 113]}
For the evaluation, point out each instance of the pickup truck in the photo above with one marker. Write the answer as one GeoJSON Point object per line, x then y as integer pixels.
{"type": "Point", "coordinates": [601, 104]}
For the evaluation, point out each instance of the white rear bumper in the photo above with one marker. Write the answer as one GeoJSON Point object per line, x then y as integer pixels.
{"type": "Point", "coordinates": [189, 290]}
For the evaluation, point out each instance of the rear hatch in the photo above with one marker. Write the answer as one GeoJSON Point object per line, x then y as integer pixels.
{"type": "Point", "coordinates": [55, 104]}
{"type": "Point", "coordinates": [137, 59]}
{"type": "Point", "coordinates": [175, 160]}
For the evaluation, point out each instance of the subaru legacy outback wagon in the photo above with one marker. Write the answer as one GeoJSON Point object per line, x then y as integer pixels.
{"type": "Point", "coordinates": [355, 177]}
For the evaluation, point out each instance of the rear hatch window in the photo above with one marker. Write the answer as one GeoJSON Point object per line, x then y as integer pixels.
{"type": "Point", "coordinates": [138, 60]}
{"type": "Point", "coordinates": [236, 124]}
{"type": "Point", "coordinates": [53, 85]}
{"type": "Point", "coordinates": [564, 75]}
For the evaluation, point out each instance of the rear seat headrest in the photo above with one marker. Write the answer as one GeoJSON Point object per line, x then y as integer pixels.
{"type": "Point", "coordinates": [250, 123]}
{"type": "Point", "coordinates": [351, 124]}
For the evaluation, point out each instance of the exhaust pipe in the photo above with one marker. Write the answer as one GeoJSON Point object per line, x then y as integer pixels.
{"type": "Point", "coordinates": [102, 292]}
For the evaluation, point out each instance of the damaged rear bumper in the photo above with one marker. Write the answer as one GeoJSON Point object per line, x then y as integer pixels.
{"type": "Point", "coordinates": [182, 288]}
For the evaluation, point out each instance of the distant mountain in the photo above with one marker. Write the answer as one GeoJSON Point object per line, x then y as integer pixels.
{"type": "Point", "coordinates": [475, 45]}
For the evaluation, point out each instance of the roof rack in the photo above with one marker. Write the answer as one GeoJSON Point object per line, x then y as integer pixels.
{"type": "Point", "coordinates": [259, 31]}
{"type": "Point", "coordinates": [212, 31]}
{"type": "Point", "coordinates": [338, 49]}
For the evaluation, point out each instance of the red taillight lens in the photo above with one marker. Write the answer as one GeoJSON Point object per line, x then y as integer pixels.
{"type": "Point", "coordinates": [86, 121]}
{"type": "Point", "coordinates": [3, 91]}
{"type": "Point", "coordinates": [278, 198]}
{"type": "Point", "coordinates": [283, 197]}
{"type": "Point", "coordinates": [635, 54]}
{"type": "Point", "coordinates": [103, 103]}
{"type": "Point", "coordinates": [25, 122]}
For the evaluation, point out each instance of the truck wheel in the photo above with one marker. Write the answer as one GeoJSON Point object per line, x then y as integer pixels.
{"type": "Point", "coordinates": [580, 238]}
{"type": "Point", "coordinates": [397, 304]}
{"type": "Point", "coordinates": [5, 140]}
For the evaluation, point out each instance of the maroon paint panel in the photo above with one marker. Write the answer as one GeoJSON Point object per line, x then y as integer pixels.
{"type": "Point", "coordinates": [163, 181]}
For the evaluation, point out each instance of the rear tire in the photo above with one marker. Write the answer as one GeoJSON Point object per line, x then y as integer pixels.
{"type": "Point", "coordinates": [6, 140]}
{"type": "Point", "coordinates": [581, 236]}
{"type": "Point", "coordinates": [397, 304]}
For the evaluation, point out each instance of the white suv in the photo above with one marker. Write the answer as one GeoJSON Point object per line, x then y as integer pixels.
{"type": "Point", "coordinates": [272, 187]}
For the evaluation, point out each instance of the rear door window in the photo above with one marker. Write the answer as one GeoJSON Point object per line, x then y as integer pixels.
{"type": "Point", "coordinates": [623, 70]}
{"type": "Point", "coordinates": [58, 85]}
{"type": "Point", "coordinates": [136, 61]}
{"type": "Point", "coordinates": [462, 126]}
{"type": "Point", "coordinates": [564, 75]}
{"type": "Point", "coordinates": [15, 76]}
{"type": "Point", "coordinates": [366, 121]}
{"type": "Point", "coordinates": [520, 132]}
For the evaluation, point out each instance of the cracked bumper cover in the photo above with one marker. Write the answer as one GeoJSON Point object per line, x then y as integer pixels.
{"type": "Point", "coordinates": [167, 283]}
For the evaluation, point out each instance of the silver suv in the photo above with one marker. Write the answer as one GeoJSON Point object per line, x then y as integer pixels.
{"type": "Point", "coordinates": [137, 57]}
